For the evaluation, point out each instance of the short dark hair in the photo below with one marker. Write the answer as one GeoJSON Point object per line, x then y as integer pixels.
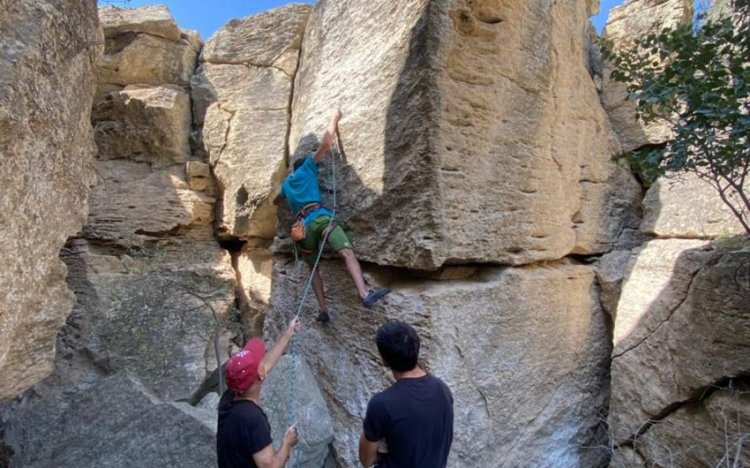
{"type": "Point", "coordinates": [299, 162]}
{"type": "Point", "coordinates": [398, 344]}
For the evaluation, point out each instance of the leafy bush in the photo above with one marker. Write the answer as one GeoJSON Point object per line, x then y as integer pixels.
{"type": "Point", "coordinates": [697, 79]}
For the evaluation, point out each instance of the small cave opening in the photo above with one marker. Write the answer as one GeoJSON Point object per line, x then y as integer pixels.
{"type": "Point", "coordinates": [232, 244]}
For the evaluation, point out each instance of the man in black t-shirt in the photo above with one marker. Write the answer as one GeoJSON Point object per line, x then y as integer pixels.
{"type": "Point", "coordinates": [243, 438]}
{"type": "Point", "coordinates": [410, 424]}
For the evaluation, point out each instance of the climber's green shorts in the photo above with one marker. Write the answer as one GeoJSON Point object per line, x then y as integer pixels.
{"type": "Point", "coordinates": [337, 239]}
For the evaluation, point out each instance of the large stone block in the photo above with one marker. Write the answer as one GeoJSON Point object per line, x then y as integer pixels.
{"type": "Point", "coordinates": [684, 206]}
{"type": "Point", "coordinates": [133, 203]}
{"type": "Point", "coordinates": [472, 131]}
{"type": "Point", "coordinates": [241, 96]}
{"type": "Point", "coordinates": [150, 124]}
{"type": "Point", "coordinates": [155, 312]}
{"type": "Point", "coordinates": [522, 349]}
{"type": "Point", "coordinates": [113, 424]}
{"type": "Point", "coordinates": [712, 432]}
{"type": "Point", "coordinates": [683, 325]}
{"type": "Point", "coordinates": [151, 19]}
{"type": "Point", "coordinates": [626, 22]}
{"type": "Point", "coordinates": [48, 55]}
{"type": "Point", "coordinates": [144, 46]}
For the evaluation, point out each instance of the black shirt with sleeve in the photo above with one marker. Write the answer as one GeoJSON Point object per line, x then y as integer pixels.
{"type": "Point", "coordinates": [415, 417]}
{"type": "Point", "coordinates": [243, 430]}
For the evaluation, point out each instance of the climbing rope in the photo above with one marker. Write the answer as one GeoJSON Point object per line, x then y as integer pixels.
{"type": "Point", "coordinates": [306, 291]}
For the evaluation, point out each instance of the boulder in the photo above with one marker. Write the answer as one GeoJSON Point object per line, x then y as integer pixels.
{"type": "Point", "coordinates": [144, 46]}
{"type": "Point", "coordinates": [712, 432]}
{"type": "Point", "coordinates": [48, 54]}
{"type": "Point", "coordinates": [241, 96]}
{"type": "Point", "coordinates": [524, 351]}
{"type": "Point", "coordinates": [290, 391]}
{"type": "Point", "coordinates": [115, 423]}
{"type": "Point", "coordinates": [154, 311]}
{"type": "Point", "coordinates": [682, 327]}
{"type": "Point", "coordinates": [133, 203]}
{"type": "Point", "coordinates": [685, 206]}
{"type": "Point", "coordinates": [472, 131]}
{"type": "Point", "coordinates": [626, 22]}
{"type": "Point", "coordinates": [118, 118]}
{"type": "Point", "coordinates": [154, 20]}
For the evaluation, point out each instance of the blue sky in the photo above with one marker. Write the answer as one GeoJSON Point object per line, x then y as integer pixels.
{"type": "Point", "coordinates": [207, 16]}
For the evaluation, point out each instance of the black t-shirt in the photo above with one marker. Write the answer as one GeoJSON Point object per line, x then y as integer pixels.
{"type": "Point", "coordinates": [243, 430]}
{"type": "Point", "coordinates": [415, 417]}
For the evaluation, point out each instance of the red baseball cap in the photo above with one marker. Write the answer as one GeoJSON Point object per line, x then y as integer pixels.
{"type": "Point", "coordinates": [242, 368]}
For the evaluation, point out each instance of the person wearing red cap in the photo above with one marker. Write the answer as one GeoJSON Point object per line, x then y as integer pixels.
{"type": "Point", "coordinates": [243, 438]}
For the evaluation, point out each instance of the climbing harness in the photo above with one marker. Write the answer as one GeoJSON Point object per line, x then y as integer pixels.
{"type": "Point", "coordinates": [306, 291]}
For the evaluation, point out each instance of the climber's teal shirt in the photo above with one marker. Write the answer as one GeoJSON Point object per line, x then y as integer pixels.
{"type": "Point", "coordinates": [301, 188]}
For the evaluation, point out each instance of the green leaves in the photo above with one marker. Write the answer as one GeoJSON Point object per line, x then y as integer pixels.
{"type": "Point", "coordinates": [696, 79]}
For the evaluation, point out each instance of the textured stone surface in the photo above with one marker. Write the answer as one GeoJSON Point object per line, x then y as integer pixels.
{"type": "Point", "coordinates": [48, 54]}
{"type": "Point", "coordinates": [713, 432]}
{"type": "Point", "coordinates": [305, 406]}
{"type": "Point", "coordinates": [611, 271]}
{"type": "Point", "coordinates": [685, 206]}
{"type": "Point", "coordinates": [241, 96]}
{"type": "Point", "coordinates": [144, 46]}
{"type": "Point", "coordinates": [133, 203]}
{"type": "Point", "coordinates": [154, 311]}
{"type": "Point", "coordinates": [630, 20]}
{"type": "Point", "coordinates": [115, 423]}
{"type": "Point", "coordinates": [683, 308]}
{"type": "Point", "coordinates": [254, 267]}
{"type": "Point", "coordinates": [119, 117]}
{"type": "Point", "coordinates": [522, 349]}
{"type": "Point", "coordinates": [151, 19]}
{"type": "Point", "coordinates": [471, 129]}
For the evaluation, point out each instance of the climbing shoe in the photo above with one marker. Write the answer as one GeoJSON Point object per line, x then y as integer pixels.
{"type": "Point", "coordinates": [373, 296]}
{"type": "Point", "coordinates": [323, 317]}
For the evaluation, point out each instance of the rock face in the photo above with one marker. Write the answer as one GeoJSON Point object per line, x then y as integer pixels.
{"type": "Point", "coordinates": [154, 52]}
{"type": "Point", "coordinates": [669, 318]}
{"type": "Point", "coordinates": [461, 133]}
{"type": "Point", "coordinates": [114, 423]}
{"type": "Point", "coordinates": [48, 55]}
{"type": "Point", "coordinates": [687, 207]}
{"type": "Point", "coordinates": [241, 94]}
{"type": "Point", "coordinates": [526, 369]}
{"type": "Point", "coordinates": [291, 390]}
{"type": "Point", "coordinates": [157, 287]}
{"type": "Point", "coordinates": [702, 434]}
{"type": "Point", "coordinates": [633, 19]}
{"type": "Point", "coordinates": [154, 289]}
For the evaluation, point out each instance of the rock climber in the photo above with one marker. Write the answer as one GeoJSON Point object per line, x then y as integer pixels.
{"type": "Point", "coordinates": [243, 438]}
{"type": "Point", "coordinates": [301, 190]}
{"type": "Point", "coordinates": [410, 423]}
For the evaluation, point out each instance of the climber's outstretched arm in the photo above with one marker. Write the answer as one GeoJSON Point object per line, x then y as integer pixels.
{"type": "Point", "coordinates": [328, 138]}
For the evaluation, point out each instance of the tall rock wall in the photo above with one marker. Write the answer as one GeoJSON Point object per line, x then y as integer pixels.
{"type": "Point", "coordinates": [474, 175]}
{"type": "Point", "coordinates": [680, 356]}
{"type": "Point", "coordinates": [241, 93]}
{"type": "Point", "coordinates": [48, 55]}
{"type": "Point", "coordinates": [472, 134]}
{"type": "Point", "coordinates": [471, 130]}
{"type": "Point", "coordinates": [154, 289]}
